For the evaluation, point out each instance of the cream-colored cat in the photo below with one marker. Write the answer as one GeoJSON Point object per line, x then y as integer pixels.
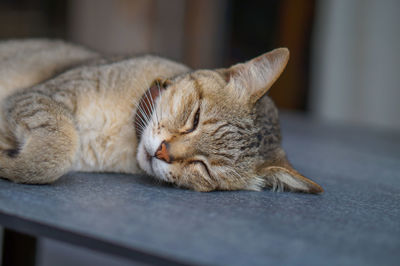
{"type": "Point", "coordinates": [204, 129]}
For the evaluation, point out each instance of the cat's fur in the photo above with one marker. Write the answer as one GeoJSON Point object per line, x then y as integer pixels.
{"type": "Point", "coordinates": [207, 130]}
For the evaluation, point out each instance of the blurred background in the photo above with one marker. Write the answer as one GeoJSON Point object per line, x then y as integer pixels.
{"type": "Point", "coordinates": [345, 54]}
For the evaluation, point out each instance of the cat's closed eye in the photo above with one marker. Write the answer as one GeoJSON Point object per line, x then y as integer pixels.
{"type": "Point", "coordinates": [203, 165]}
{"type": "Point", "coordinates": [195, 121]}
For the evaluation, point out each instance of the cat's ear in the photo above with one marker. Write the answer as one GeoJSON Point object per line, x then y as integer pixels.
{"type": "Point", "coordinates": [160, 83]}
{"type": "Point", "coordinates": [281, 176]}
{"type": "Point", "coordinates": [252, 79]}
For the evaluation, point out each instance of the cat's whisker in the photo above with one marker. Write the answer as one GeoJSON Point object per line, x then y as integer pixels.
{"type": "Point", "coordinates": [159, 93]}
{"type": "Point", "coordinates": [139, 109]}
{"type": "Point", "coordinates": [140, 131]}
{"type": "Point", "coordinates": [140, 123]}
{"type": "Point", "coordinates": [141, 127]}
{"type": "Point", "coordinates": [142, 111]}
{"type": "Point", "coordinates": [153, 105]}
{"type": "Point", "coordinates": [142, 116]}
{"type": "Point", "coordinates": [148, 98]}
{"type": "Point", "coordinates": [153, 109]}
{"type": "Point", "coordinates": [146, 105]}
{"type": "Point", "coordinates": [149, 116]}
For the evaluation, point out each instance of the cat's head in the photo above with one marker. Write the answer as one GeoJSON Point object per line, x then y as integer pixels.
{"type": "Point", "coordinates": [217, 130]}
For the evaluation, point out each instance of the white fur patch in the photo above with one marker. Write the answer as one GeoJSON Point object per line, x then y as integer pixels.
{"type": "Point", "coordinates": [160, 169]}
{"type": "Point", "coordinates": [256, 184]}
{"type": "Point", "coordinates": [148, 146]}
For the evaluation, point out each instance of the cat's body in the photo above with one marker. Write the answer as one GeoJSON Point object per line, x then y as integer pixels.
{"type": "Point", "coordinates": [84, 120]}
{"type": "Point", "coordinates": [100, 97]}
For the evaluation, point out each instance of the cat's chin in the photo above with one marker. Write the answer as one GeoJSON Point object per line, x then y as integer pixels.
{"type": "Point", "coordinates": [150, 164]}
{"type": "Point", "coordinates": [144, 160]}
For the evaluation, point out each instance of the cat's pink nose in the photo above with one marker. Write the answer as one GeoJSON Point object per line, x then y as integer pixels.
{"type": "Point", "coordinates": [162, 152]}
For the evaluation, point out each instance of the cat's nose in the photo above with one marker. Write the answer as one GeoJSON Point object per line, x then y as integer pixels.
{"type": "Point", "coordinates": [162, 152]}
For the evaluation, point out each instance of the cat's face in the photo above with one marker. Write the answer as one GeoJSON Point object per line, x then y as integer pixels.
{"type": "Point", "coordinates": [211, 130]}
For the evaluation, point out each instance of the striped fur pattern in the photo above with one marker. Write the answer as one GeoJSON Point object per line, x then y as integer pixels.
{"type": "Point", "coordinates": [217, 127]}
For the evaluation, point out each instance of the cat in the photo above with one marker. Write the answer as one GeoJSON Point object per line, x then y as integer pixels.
{"type": "Point", "coordinates": [65, 108]}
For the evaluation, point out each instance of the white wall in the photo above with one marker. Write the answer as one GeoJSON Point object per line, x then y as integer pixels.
{"type": "Point", "coordinates": [356, 62]}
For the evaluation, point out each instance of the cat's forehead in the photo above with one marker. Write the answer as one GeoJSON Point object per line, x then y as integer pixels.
{"type": "Point", "coordinates": [184, 87]}
{"type": "Point", "coordinates": [201, 81]}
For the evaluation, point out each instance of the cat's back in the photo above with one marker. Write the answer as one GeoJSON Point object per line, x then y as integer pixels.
{"type": "Point", "coordinates": [24, 63]}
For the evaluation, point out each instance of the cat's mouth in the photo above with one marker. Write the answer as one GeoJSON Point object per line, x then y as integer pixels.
{"type": "Point", "coordinates": [145, 109]}
{"type": "Point", "coordinates": [149, 159]}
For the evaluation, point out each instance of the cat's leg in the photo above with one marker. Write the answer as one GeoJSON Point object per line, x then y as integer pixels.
{"type": "Point", "coordinates": [44, 137]}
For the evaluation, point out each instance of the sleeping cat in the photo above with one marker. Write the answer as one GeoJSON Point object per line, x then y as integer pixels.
{"type": "Point", "coordinates": [65, 108]}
